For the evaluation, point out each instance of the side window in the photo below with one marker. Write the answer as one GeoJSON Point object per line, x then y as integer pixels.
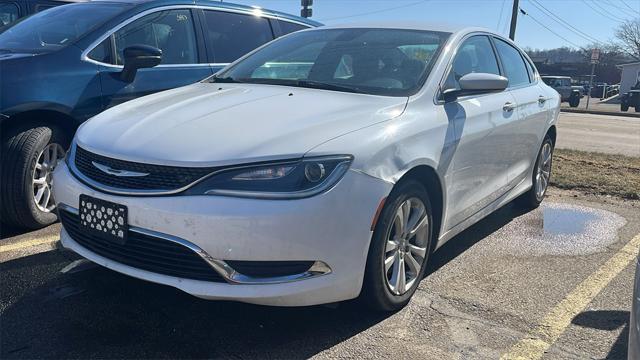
{"type": "Point", "coordinates": [475, 55]}
{"type": "Point", "coordinates": [513, 63]}
{"type": "Point", "coordinates": [171, 31]}
{"type": "Point", "coordinates": [531, 70]}
{"type": "Point", "coordinates": [8, 14]}
{"type": "Point", "coordinates": [102, 52]}
{"type": "Point", "coordinates": [233, 35]}
{"type": "Point", "coordinates": [287, 27]}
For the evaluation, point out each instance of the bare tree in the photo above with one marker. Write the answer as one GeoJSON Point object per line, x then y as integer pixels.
{"type": "Point", "coordinates": [629, 36]}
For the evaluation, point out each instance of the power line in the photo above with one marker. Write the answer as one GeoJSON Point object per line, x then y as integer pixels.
{"type": "Point", "coordinates": [377, 11]}
{"type": "Point", "coordinates": [630, 8]}
{"type": "Point", "coordinates": [562, 22]}
{"type": "Point", "coordinates": [500, 17]}
{"type": "Point", "coordinates": [551, 31]}
{"type": "Point", "coordinates": [600, 12]}
{"type": "Point", "coordinates": [610, 12]}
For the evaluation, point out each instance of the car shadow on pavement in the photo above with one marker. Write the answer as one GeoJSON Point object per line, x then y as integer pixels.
{"type": "Point", "coordinates": [607, 320]}
{"type": "Point", "coordinates": [100, 313]}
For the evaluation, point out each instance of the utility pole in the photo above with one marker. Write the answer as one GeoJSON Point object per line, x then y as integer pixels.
{"type": "Point", "coordinates": [514, 19]}
{"type": "Point", "coordinates": [306, 11]}
{"type": "Point", "coordinates": [595, 58]}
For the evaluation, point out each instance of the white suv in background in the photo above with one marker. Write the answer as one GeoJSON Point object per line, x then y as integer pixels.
{"type": "Point", "coordinates": [323, 166]}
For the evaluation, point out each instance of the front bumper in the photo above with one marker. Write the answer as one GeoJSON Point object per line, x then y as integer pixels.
{"type": "Point", "coordinates": [333, 228]}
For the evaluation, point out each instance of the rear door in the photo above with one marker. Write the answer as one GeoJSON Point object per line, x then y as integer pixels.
{"type": "Point", "coordinates": [173, 31]}
{"type": "Point", "coordinates": [476, 174]}
{"type": "Point", "coordinates": [531, 115]}
{"type": "Point", "coordinates": [230, 35]}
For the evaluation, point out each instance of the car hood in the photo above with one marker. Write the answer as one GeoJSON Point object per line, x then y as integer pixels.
{"type": "Point", "coordinates": [210, 124]}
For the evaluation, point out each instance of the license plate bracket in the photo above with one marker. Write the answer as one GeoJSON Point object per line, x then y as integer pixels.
{"type": "Point", "coordinates": [104, 219]}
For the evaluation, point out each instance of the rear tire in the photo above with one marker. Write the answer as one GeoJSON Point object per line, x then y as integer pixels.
{"type": "Point", "coordinates": [637, 108]}
{"type": "Point", "coordinates": [541, 176]}
{"type": "Point", "coordinates": [21, 151]}
{"type": "Point", "coordinates": [624, 107]}
{"type": "Point", "coordinates": [574, 101]}
{"type": "Point", "coordinates": [395, 250]}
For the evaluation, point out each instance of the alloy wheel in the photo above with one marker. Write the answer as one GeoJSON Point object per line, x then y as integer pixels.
{"type": "Point", "coordinates": [41, 180]}
{"type": "Point", "coordinates": [543, 173]}
{"type": "Point", "coordinates": [406, 246]}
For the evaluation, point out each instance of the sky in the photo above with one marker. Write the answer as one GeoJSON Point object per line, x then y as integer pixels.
{"type": "Point", "coordinates": [575, 23]}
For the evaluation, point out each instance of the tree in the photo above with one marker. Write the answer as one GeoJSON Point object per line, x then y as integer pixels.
{"type": "Point", "coordinates": [628, 35]}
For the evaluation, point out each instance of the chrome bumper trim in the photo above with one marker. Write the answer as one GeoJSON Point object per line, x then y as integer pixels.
{"type": "Point", "coordinates": [318, 268]}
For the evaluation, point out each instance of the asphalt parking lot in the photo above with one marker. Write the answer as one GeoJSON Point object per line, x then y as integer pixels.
{"type": "Point", "coordinates": [554, 282]}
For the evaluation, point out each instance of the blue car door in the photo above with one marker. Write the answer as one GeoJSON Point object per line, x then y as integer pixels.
{"type": "Point", "coordinates": [184, 59]}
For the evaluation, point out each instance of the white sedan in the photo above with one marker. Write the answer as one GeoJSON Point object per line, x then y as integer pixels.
{"type": "Point", "coordinates": [326, 165]}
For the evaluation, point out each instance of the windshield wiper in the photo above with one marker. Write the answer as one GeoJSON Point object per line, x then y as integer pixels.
{"type": "Point", "coordinates": [326, 86]}
{"type": "Point", "coordinates": [227, 80]}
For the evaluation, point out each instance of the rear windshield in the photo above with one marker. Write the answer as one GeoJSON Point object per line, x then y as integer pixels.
{"type": "Point", "coordinates": [55, 28]}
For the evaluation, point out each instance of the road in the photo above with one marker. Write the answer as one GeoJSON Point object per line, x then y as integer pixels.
{"type": "Point", "coordinates": [599, 133]}
{"type": "Point", "coordinates": [553, 283]}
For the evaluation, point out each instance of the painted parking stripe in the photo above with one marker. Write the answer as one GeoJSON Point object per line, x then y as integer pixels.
{"type": "Point", "coordinates": [52, 239]}
{"type": "Point", "coordinates": [559, 318]}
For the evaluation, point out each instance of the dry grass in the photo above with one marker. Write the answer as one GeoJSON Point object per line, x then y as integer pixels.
{"type": "Point", "coordinates": [596, 173]}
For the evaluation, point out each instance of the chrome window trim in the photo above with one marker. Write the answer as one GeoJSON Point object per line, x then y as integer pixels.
{"type": "Point", "coordinates": [256, 12]}
{"type": "Point", "coordinates": [230, 275]}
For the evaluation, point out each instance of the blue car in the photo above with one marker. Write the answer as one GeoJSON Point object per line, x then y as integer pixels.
{"type": "Point", "coordinates": [63, 65]}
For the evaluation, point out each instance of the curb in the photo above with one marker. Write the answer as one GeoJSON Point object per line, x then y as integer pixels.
{"type": "Point", "coordinates": [596, 112]}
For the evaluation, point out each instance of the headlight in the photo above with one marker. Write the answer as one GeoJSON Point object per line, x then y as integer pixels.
{"type": "Point", "coordinates": [278, 180]}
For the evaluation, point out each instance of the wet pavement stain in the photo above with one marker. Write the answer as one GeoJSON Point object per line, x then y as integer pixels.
{"type": "Point", "coordinates": [558, 229]}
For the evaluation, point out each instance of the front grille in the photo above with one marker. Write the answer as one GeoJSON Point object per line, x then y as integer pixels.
{"type": "Point", "coordinates": [143, 252]}
{"type": "Point", "coordinates": [263, 269]}
{"type": "Point", "coordinates": [161, 177]}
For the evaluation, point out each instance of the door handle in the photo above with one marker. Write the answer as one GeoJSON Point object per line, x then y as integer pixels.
{"type": "Point", "coordinates": [508, 107]}
{"type": "Point", "coordinates": [542, 99]}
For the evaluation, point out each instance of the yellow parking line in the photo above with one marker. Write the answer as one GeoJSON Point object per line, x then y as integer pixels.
{"type": "Point", "coordinates": [51, 239]}
{"type": "Point", "coordinates": [559, 318]}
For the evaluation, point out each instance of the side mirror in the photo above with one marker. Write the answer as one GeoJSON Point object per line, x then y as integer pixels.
{"type": "Point", "coordinates": [139, 57]}
{"type": "Point", "coordinates": [476, 83]}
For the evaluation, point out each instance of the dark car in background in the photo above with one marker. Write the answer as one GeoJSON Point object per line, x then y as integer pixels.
{"type": "Point", "coordinates": [630, 99]}
{"type": "Point", "coordinates": [63, 65]}
{"type": "Point", "coordinates": [11, 11]}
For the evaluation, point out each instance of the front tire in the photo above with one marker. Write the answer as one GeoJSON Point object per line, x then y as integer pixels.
{"type": "Point", "coordinates": [541, 176]}
{"type": "Point", "coordinates": [29, 156]}
{"type": "Point", "coordinates": [624, 107]}
{"type": "Point", "coordinates": [399, 249]}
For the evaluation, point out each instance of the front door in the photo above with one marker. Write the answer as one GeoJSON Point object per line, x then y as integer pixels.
{"type": "Point", "coordinates": [476, 171]}
{"type": "Point", "coordinates": [183, 62]}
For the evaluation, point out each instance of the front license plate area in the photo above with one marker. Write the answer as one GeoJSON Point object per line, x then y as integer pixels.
{"type": "Point", "coordinates": [104, 219]}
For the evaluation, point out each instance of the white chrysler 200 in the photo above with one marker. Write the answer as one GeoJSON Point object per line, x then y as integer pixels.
{"type": "Point", "coordinates": [326, 165]}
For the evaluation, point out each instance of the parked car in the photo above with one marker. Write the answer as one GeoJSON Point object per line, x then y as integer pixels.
{"type": "Point", "coordinates": [63, 65]}
{"type": "Point", "coordinates": [11, 11]}
{"type": "Point", "coordinates": [630, 99]}
{"type": "Point", "coordinates": [562, 84]}
{"type": "Point", "coordinates": [326, 165]}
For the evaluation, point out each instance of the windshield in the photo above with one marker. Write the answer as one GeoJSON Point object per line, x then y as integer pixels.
{"type": "Point", "coordinates": [56, 28]}
{"type": "Point", "coordinates": [389, 62]}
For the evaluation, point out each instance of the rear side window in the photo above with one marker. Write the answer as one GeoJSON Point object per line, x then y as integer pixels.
{"type": "Point", "coordinates": [232, 35]}
{"type": "Point", "coordinates": [8, 14]}
{"type": "Point", "coordinates": [531, 69]}
{"type": "Point", "coordinates": [287, 27]}
{"type": "Point", "coordinates": [513, 63]}
{"type": "Point", "coordinates": [171, 31]}
{"type": "Point", "coordinates": [475, 55]}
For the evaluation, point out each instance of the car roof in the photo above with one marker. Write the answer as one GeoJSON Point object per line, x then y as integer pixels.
{"type": "Point", "coordinates": [414, 25]}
